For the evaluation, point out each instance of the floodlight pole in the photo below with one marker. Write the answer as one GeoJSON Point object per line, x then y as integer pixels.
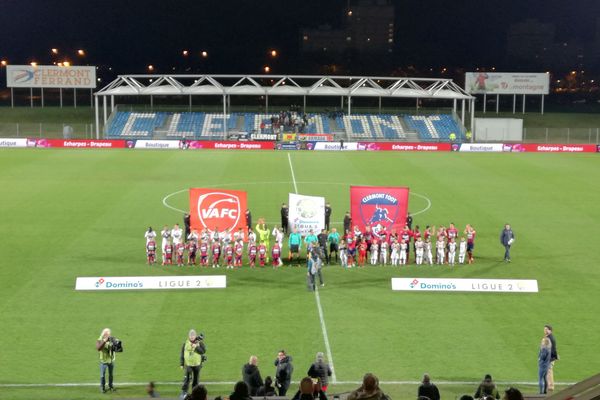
{"type": "Point", "coordinates": [454, 106]}
{"type": "Point", "coordinates": [190, 102]}
{"type": "Point", "coordinates": [497, 103]}
{"type": "Point", "coordinates": [31, 96]}
{"type": "Point", "coordinates": [12, 98]}
{"type": "Point", "coordinates": [60, 95]}
{"type": "Point", "coordinates": [225, 116]}
{"type": "Point", "coordinates": [74, 98]}
{"type": "Point", "coordinates": [472, 117]}
{"type": "Point", "coordinates": [543, 104]}
{"type": "Point", "coordinates": [304, 104]}
{"type": "Point", "coordinates": [514, 103]}
{"type": "Point", "coordinates": [266, 103]}
{"type": "Point", "coordinates": [523, 104]}
{"type": "Point", "coordinates": [379, 104]}
{"type": "Point", "coordinates": [484, 103]}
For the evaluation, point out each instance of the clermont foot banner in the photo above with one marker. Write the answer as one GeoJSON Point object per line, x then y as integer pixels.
{"type": "Point", "coordinates": [306, 213]}
{"type": "Point", "coordinates": [217, 208]}
{"type": "Point", "coordinates": [380, 207]}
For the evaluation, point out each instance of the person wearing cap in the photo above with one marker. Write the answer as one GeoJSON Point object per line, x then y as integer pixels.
{"type": "Point", "coordinates": [428, 389]}
{"type": "Point", "coordinates": [553, 357]}
{"type": "Point", "coordinates": [320, 370]}
{"type": "Point", "coordinates": [487, 388]}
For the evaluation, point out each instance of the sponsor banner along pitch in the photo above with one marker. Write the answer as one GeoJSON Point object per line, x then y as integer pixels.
{"type": "Point", "coordinates": [151, 282]}
{"type": "Point", "coordinates": [465, 285]}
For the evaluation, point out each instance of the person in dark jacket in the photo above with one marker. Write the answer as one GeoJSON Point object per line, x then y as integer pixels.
{"type": "Point", "coordinates": [322, 239]}
{"type": "Point", "coordinates": [507, 238]}
{"type": "Point", "coordinates": [267, 390]}
{"type": "Point", "coordinates": [428, 389]}
{"type": "Point", "coordinates": [544, 364]}
{"type": "Point", "coordinates": [186, 224]}
{"type": "Point", "coordinates": [327, 215]}
{"type": "Point", "coordinates": [553, 356]}
{"type": "Point", "coordinates": [320, 370]}
{"type": "Point", "coordinates": [512, 394]}
{"type": "Point", "coordinates": [487, 388]}
{"type": "Point", "coordinates": [251, 375]}
{"type": "Point", "coordinates": [347, 222]}
{"type": "Point", "coordinates": [369, 390]}
{"type": "Point", "coordinates": [283, 372]}
{"type": "Point", "coordinates": [309, 390]}
{"type": "Point", "coordinates": [240, 392]}
{"type": "Point", "coordinates": [248, 219]}
{"type": "Point", "coordinates": [285, 212]}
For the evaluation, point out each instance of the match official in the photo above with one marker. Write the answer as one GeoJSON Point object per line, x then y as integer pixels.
{"type": "Point", "coordinates": [191, 358]}
{"type": "Point", "coordinates": [507, 237]}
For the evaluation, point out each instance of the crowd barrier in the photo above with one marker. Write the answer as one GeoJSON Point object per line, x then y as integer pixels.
{"type": "Point", "coordinates": [298, 145]}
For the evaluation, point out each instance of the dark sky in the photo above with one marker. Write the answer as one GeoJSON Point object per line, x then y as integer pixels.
{"type": "Point", "coordinates": [130, 34]}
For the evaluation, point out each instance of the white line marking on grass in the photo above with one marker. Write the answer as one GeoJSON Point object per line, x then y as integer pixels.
{"type": "Point", "coordinates": [212, 383]}
{"type": "Point", "coordinates": [317, 297]}
{"type": "Point", "coordinates": [293, 176]}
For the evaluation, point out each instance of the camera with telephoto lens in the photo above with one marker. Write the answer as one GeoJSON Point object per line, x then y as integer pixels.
{"type": "Point", "coordinates": [116, 344]}
{"type": "Point", "coordinates": [199, 338]}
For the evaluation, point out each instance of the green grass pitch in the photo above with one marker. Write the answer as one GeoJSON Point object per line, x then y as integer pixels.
{"type": "Point", "coordinates": [69, 213]}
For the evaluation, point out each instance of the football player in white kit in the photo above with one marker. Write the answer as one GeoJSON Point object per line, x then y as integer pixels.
{"type": "Point", "coordinates": [193, 236]}
{"type": "Point", "coordinates": [177, 235]}
{"type": "Point", "coordinates": [149, 235]}
{"type": "Point", "coordinates": [419, 250]}
{"type": "Point", "coordinates": [278, 234]}
{"type": "Point", "coordinates": [395, 252]}
{"type": "Point", "coordinates": [462, 250]}
{"type": "Point", "coordinates": [343, 254]}
{"type": "Point", "coordinates": [428, 253]}
{"type": "Point", "coordinates": [374, 252]}
{"type": "Point", "coordinates": [451, 252]}
{"type": "Point", "coordinates": [403, 248]}
{"type": "Point", "coordinates": [383, 251]}
{"type": "Point", "coordinates": [165, 234]}
{"type": "Point", "coordinates": [441, 250]}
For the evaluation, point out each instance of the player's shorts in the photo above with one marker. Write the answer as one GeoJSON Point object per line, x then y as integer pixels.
{"type": "Point", "coordinates": [333, 247]}
{"type": "Point", "coordinates": [470, 246]}
{"type": "Point", "coordinates": [294, 248]}
{"type": "Point", "coordinates": [351, 253]}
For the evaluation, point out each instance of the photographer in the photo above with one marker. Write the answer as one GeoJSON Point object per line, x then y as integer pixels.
{"type": "Point", "coordinates": [283, 372]}
{"type": "Point", "coordinates": [107, 346]}
{"type": "Point", "coordinates": [192, 357]}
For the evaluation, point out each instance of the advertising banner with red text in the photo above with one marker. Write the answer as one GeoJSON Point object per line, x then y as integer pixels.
{"type": "Point", "coordinates": [77, 143]}
{"type": "Point", "coordinates": [230, 145]}
{"type": "Point", "coordinates": [403, 146]}
{"type": "Point", "coordinates": [380, 207]}
{"type": "Point", "coordinates": [217, 208]}
{"type": "Point", "coordinates": [550, 148]}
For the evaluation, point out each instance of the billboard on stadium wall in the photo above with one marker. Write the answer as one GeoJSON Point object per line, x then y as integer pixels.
{"type": "Point", "coordinates": [11, 143]}
{"type": "Point", "coordinates": [479, 147]}
{"type": "Point", "coordinates": [465, 285]}
{"type": "Point", "coordinates": [76, 143]}
{"type": "Point", "coordinates": [315, 137]}
{"type": "Point", "coordinates": [550, 148]}
{"type": "Point", "coordinates": [217, 208]}
{"type": "Point", "coordinates": [380, 207]}
{"type": "Point", "coordinates": [403, 146]}
{"type": "Point", "coordinates": [306, 213]}
{"type": "Point", "coordinates": [507, 83]}
{"type": "Point", "coordinates": [51, 76]}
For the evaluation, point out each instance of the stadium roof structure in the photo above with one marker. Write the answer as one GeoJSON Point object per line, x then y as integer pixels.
{"type": "Point", "coordinates": [148, 85]}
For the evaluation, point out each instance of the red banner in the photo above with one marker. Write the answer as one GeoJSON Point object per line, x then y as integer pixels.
{"type": "Point", "coordinates": [403, 146]}
{"type": "Point", "coordinates": [77, 143]}
{"type": "Point", "coordinates": [230, 145]}
{"type": "Point", "coordinates": [217, 208]}
{"type": "Point", "coordinates": [551, 148]}
{"type": "Point", "coordinates": [379, 207]}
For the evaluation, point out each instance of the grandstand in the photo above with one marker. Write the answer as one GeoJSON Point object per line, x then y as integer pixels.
{"type": "Point", "coordinates": [200, 125]}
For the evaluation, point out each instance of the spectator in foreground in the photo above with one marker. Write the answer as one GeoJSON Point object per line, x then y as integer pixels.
{"type": "Point", "coordinates": [199, 392]}
{"type": "Point", "coordinates": [487, 388]}
{"type": "Point", "coordinates": [240, 392]}
{"type": "Point", "coordinates": [512, 394]}
{"type": "Point", "coordinates": [320, 370]}
{"type": "Point", "coordinates": [309, 390]}
{"type": "Point", "coordinates": [251, 375]}
{"type": "Point", "coordinates": [283, 372]}
{"type": "Point", "coordinates": [466, 397]}
{"type": "Point", "coordinates": [544, 361]}
{"type": "Point", "coordinates": [369, 390]}
{"type": "Point", "coordinates": [428, 389]}
{"type": "Point", "coordinates": [267, 390]}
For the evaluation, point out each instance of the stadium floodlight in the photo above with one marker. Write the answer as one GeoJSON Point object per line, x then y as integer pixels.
{"type": "Point", "coordinates": [150, 67]}
{"type": "Point", "coordinates": [33, 64]}
{"type": "Point", "coordinates": [54, 50]}
{"type": "Point", "coordinates": [273, 53]}
{"type": "Point", "coordinates": [267, 69]}
{"type": "Point", "coordinates": [204, 54]}
{"type": "Point", "coordinates": [185, 53]}
{"type": "Point", "coordinates": [4, 63]}
{"type": "Point", "coordinates": [81, 52]}
{"type": "Point", "coordinates": [66, 63]}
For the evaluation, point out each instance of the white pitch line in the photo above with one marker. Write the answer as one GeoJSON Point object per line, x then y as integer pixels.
{"type": "Point", "coordinates": [317, 297]}
{"type": "Point", "coordinates": [212, 383]}
{"type": "Point", "coordinates": [293, 176]}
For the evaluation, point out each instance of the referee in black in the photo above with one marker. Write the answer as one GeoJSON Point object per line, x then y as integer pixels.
{"type": "Point", "coordinates": [285, 212]}
{"type": "Point", "coordinates": [327, 215]}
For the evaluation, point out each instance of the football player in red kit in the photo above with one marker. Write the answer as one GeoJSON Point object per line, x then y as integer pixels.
{"type": "Point", "coordinates": [276, 254]}
{"type": "Point", "coordinates": [151, 251]}
{"type": "Point", "coordinates": [470, 232]}
{"type": "Point", "coordinates": [362, 252]}
{"type": "Point", "coordinates": [180, 251]}
{"type": "Point", "coordinates": [168, 254]}
{"type": "Point", "coordinates": [229, 255]}
{"type": "Point", "coordinates": [451, 233]}
{"type": "Point", "coordinates": [252, 251]}
{"type": "Point", "coordinates": [216, 253]}
{"type": "Point", "coordinates": [192, 249]}
{"type": "Point", "coordinates": [239, 253]}
{"type": "Point", "coordinates": [262, 254]}
{"type": "Point", "coordinates": [204, 253]}
{"type": "Point", "coordinates": [351, 249]}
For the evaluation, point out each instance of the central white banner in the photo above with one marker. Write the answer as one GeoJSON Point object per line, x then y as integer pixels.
{"type": "Point", "coordinates": [465, 285]}
{"type": "Point", "coordinates": [151, 282]}
{"type": "Point", "coordinates": [306, 213]}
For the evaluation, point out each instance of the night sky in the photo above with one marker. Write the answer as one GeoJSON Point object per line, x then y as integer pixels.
{"type": "Point", "coordinates": [130, 34]}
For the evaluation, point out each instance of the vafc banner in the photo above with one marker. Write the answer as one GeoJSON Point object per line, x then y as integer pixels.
{"type": "Point", "coordinates": [217, 208]}
{"type": "Point", "coordinates": [306, 213]}
{"type": "Point", "coordinates": [380, 207]}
